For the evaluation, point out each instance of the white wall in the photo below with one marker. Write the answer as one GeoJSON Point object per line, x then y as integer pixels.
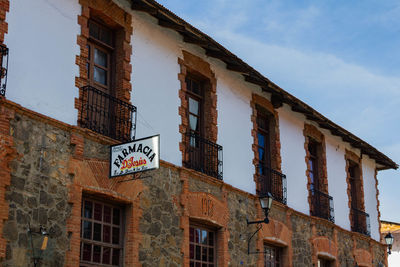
{"type": "Point", "coordinates": [293, 158]}
{"type": "Point", "coordinates": [394, 259]}
{"type": "Point", "coordinates": [234, 131]}
{"type": "Point", "coordinates": [42, 37]}
{"type": "Point", "coordinates": [368, 169]}
{"type": "Point", "coordinates": [337, 185]}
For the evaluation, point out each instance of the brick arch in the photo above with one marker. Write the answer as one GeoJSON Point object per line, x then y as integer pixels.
{"type": "Point", "coordinates": [206, 207]}
{"type": "Point", "coordinates": [325, 248]}
{"type": "Point", "coordinates": [277, 233]}
{"type": "Point", "coordinates": [363, 258]}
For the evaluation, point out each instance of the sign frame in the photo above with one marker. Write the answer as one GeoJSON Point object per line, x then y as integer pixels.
{"type": "Point", "coordinates": [110, 176]}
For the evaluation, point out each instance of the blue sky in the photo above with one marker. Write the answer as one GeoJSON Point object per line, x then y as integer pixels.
{"type": "Point", "coordinates": [340, 57]}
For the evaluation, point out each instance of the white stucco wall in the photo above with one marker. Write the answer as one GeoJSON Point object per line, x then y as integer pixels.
{"type": "Point", "coordinates": [368, 169]}
{"type": "Point", "coordinates": [293, 158]}
{"type": "Point", "coordinates": [234, 131]}
{"type": "Point", "coordinates": [42, 37]}
{"type": "Point", "coordinates": [337, 185]}
{"type": "Point", "coordinates": [394, 259]}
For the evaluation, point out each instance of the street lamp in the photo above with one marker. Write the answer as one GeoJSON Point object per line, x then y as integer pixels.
{"type": "Point", "coordinates": [266, 203]}
{"type": "Point", "coordinates": [43, 244]}
{"type": "Point", "coordinates": [389, 241]}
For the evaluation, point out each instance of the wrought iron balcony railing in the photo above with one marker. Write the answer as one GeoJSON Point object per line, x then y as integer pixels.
{"type": "Point", "coordinates": [322, 205]}
{"type": "Point", "coordinates": [273, 182]}
{"type": "Point", "coordinates": [203, 155]}
{"type": "Point", "coordinates": [3, 69]}
{"type": "Point", "coordinates": [361, 222]}
{"type": "Point", "coordinates": [107, 115]}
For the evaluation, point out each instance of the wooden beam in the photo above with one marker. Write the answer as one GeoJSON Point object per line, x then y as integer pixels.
{"type": "Point", "coordinates": [276, 101]}
{"type": "Point", "coordinates": [171, 25]}
{"type": "Point", "coordinates": [216, 54]}
{"type": "Point", "coordinates": [252, 79]}
{"type": "Point", "coordinates": [141, 6]}
{"type": "Point", "coordinates": [193, 39]}
{"type": "Point", "coordinates": [237, 68]}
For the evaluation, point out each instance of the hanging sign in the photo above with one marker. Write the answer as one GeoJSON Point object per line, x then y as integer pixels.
{"type": "Point", "coordinates": [136, 156]}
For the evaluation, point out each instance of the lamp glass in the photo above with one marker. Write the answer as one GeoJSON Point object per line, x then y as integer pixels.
{"type": "Point", "coordinates": [266, 201]}
{"type": "Point", "coordinates": [389, 239]}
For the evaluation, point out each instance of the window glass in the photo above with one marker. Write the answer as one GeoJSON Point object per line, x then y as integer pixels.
{"type": "Point", "coordinates": [201, 246]}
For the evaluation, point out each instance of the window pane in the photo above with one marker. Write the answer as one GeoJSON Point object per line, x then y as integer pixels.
{"type": "Point", "coordinates": [261, 154]}
{"type": "Point", "coordinates": [97, 232]}
{"type": "Point", "coordinates": [87, 252]}
{"type": "Point", "coordinates": [94, 30]}
{"type": "Point", "coordinates": [211, 238]}
{"type": "Point", "coordinates": [191, 248]}
{"type": "Point", "coordinates": [198, 252]}
{"type": "Point", "coordinates": [106, 233]}
{"type": "Point", "coordinates": [106, 255]}
{"type": "Point", "coordinates": [204, 254]}
{"type": "Point", "coordinates": [261, 139]}
{"type": "Point", "coordinates": [193, 106]}
{"type": "Point", "coordinates": [87, 211]}
{"type": "Point", "coordinates": [96, 253]}
{"type": "Point", "coordinates": [210, 255]}
{"type": "Point", "coordinates": [204, 237]}
{"type": "Point", "coordinates": [97, 211]}
{"type": "Point", "coordinates": [100, 75]}
{"type": "Point", "coordinates": [197, 236]}
{"type": "Point", "coordinates": [191, 234]}
{"type": "Point", "coordinates": [107, 214]}
{"type": "Point", "coordinates": [87, 230]}
{"type": "Point", "coordinates": [100, 58]}
{"type": "Point", "coordinates": [115, 257]}
{"type": "Point", "coordinates": [193, 123]}
{"type": "Point", "coordinates": [115, 235]}
{"type": "Point", "coordinates": [116, 216]}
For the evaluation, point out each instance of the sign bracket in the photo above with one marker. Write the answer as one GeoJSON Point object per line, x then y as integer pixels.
{"type": "Point", "coordinates": [136, 176]}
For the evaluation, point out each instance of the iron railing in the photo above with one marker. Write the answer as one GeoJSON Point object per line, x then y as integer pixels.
{"type": "Point", "coordinates": [107, 115]}
{"type": "Point", "coordinates": [203, 155]}
{"type": "Point", "coordinates": [322, 205]}
{"type": "Point", "coordinates": [273, 182]}
{"type": "Point", "coordinates": [3, 69]}
{"type": "Point", "coordinates": [361, 222]}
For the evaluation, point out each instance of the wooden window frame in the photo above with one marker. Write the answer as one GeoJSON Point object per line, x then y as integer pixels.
{"type": "Point", "coordinates": [276, 261]}
{"type": "Point", "coordinates": [102, 244]}
{"type": "Point", "coordinates": [214, 247]}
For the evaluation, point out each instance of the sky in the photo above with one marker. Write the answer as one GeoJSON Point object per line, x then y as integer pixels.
{"type": "Point", "coordinates": [340, 57]}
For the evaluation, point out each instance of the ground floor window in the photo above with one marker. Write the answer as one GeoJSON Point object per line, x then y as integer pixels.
{"type": "Point", "coordinates": [272, 256]}
{"type": "Point", "coordinates": [202, 247]}
{"type": "Point", "coordinates": [101, 234]}
{"type": "Point", "coordinates": [324, 263]}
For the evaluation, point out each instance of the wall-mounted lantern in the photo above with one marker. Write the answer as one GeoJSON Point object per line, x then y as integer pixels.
{"type": "Point", "coordinates": [266, 203]}
{"type": "Point", "coordinates": [389, 241]}
{"type": "Point", "coordinates": [40, 246]}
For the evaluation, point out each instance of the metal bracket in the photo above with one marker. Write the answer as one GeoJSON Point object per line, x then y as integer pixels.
{"type": "Point", "coordinates": [259, 226]}
{"type": "Point", "coordinates": [136, 176]}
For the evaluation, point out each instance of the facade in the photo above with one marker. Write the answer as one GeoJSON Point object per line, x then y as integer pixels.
{"type": "Point", "coordinates": [83, 75]}
{"type": "Point", "coordinates": [394, 229]}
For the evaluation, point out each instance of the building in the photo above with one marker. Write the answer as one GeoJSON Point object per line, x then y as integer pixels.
{"type": "Point", "coordinates": [83, 75]}
{"type": "Point", "coordinates": [394, 229]}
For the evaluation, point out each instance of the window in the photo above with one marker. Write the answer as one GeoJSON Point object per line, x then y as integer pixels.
{"type": "Point", "coordinates": [202, 154]}
{"type": "Point", "coordinates": [202, 246]}
{"type": "Point", "coordinates": [102, 107]}
{"type": "Point", "coordinates": [272, 256]}
{"type": "Point", "coordinates": [101, 234]}
{"type": "Point", "coordinates": [321, 202]}
{"type": "Point", "coordinates": [359, 219]}
{"type": "Point", "coordinates": [269, 179]}
{"type": "Point", "coordinates": [324, 263]}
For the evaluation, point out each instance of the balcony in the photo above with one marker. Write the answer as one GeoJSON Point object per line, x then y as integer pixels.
{"type": "Point", "coordinates": [3, 69]}
{"type": "Point", "coordinates": [107, 115]}
{"type": "Point", "coordinates": [202, 155]}
{"type": "Point", "coordinates": [360, 222]}
{"type": "Point", "coordinates": [273, 182]}
{"type": "Point", "coordinates": [322, 205]}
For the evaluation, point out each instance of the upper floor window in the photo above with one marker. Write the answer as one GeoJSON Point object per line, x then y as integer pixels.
{"type": "Point", "coordinates": [269, 179]}
{"type": "Point", "coordinates": [99, 61]}
{"type": "Point", "coordinates": [101, 234]}
{"type": "Point", "coordinates": [195, 97]}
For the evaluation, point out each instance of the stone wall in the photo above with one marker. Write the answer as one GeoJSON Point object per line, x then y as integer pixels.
{"type": "Point", "coordinates": [50, 172]}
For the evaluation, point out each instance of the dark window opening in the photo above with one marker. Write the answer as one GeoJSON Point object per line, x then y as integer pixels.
{"type": "Point", "coordinates": [272, 256]}
{"type": "Point", "coordinates": [101, 234]}
{"type": "Point", "coordinates": [202, 247]}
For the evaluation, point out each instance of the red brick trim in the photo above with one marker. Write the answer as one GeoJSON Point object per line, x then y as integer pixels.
{"type": "Point", "coordinates": [310, 131]}
{"type": "Point", "coordinates": [363, 257]}
{"type": "Point", "coordinates": [351, 156]}
{"type": "Point", "coordinates": [195, 65]}
{"type": "Point", "coordinates": [4, 8]}
{"type": "Point", "coordinates": [90, 177]}
{"type": "Point", "coordinates": [323, 247]}
{"type": "Point", "coordinates": [121, 22]}
{"type": "Point", "coordinates": [206, 209]}
{"type": "Point", "coordinates": [7, 154]}
{"type": "Point", "coordinates": [275, 136]}
{"type": "Point", "coordinates": [377, 202]}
